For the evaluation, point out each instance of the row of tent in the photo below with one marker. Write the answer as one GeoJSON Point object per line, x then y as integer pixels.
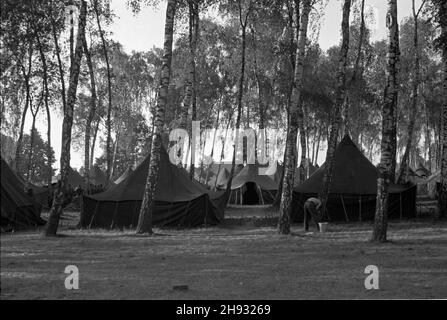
{"type": "Point", "coordinates": [181, 202]}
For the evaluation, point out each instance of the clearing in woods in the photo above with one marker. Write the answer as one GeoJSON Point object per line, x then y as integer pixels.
{"type": "Point", "coordinates": [244, 258]}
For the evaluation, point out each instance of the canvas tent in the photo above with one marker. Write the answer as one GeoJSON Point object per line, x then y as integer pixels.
{"type": "Point", "coordinates": [220, 181]}
{"type": "Point", "coordinates": [433, 183]}
{"type": "Point", "coordinates": [275, 173]}
{"type": "Point", "coordinates": [422, 172]}
{"type": "Point", "coordinates": [40, 194]}
{"type": "Point", "coordinates": [249, 187]}
{"type": "Point", "coordinates": [97, 177]}
{"type": "Point", "coordinates": [353, 189]}
{"type": "Point", "coordinates": [180, 202]}
{"type": "Point", "coordinates": [18, 210]}
{"type": "Point", "coordinates": [74, 179]}
{"type": "Point", "coordinates": [124, 176]}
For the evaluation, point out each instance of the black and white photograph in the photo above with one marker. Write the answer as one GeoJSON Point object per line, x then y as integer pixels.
{"type": "Point", "coordinates": [223, 156]}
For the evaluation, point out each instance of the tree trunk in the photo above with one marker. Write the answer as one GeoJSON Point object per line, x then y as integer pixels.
{"type": "Point", "coordinates": [195, 38]}
{"type": "Point", "coordinates": [360, 45]}
{"type": "Point", "coordinates": [293, 16]}
{"type": "Point", "coordinates": [26, 77]}
{"type": "Point", "coordinates": [187, 99]}
{"type": "Point", "coordinates": [347, 105]}
{"type": "Point", "coordinates": [304, 142]}
{"type": "Point", "coordinates": [314, 141]}
{"type": "Point", "coordinates": [91, 114]}
{"type": "Point", "coordinates": [388, 110]}
{"type": "Point", "coordinates": [92, 149]}
{"type": "Point", "coordinates": [339, 100]}
{"type": "Point", "coordinates": [222, 153]}
{"type": "Point", "coordinates": [216, 127]}
{"type": "Point", "coordinates": [71, 40]}
{"type": "Point", "coordinates": [318, 146]}
{"type": "Point", "coordinates": [404, 166]}
{"type": "Point", "coordinates": [295, 106]}
{"type": "Point", "coordinates": [47, 109]}
{"type": "Point", "coordinates": [148, 203]}
{"type": "Point", "coordinates": [59, 61]}
{"type": "Point", "coordinates": [109, 90]}
{"type": "Point", "coordinates": [31, 144]}
{"type": "Point", "coordinates": [442, 199]}
{"type": "Point", "coordinates": [56, 210]}
{"type": "Point", "coordinates": [115, 150]}
{"type": "Point", "coordinates": [240, 94]}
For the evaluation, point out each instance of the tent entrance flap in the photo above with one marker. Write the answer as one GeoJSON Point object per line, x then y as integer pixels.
{"type": "Point", "coordinates": [251, 194]}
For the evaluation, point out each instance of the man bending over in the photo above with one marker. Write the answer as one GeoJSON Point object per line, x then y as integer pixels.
{"type": "Point", "coordinates": [312, 208]}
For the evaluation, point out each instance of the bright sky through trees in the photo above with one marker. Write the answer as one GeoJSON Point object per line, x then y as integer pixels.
{"type": "Point", "coordinates": [143, 31]}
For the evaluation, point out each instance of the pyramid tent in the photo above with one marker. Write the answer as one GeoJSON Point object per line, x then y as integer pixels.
{"type": "Point", "coordinates": [74, 178]}
{"type": "Point", "coordinates": [412, 177]}
{"type": "Point", "coordinates": [180, 202]}
{"type": "Point", "coordinates": [251, 187]}
{"type": "Point", "coordinates": [97, 177]}
{"type": "Point", "coordinates": [433, 183]}
{"type": "Point", "coordinates": [312, 168]}
{"type": "Point", "coordinates": [277, 176]}
{"type": "Point", "coordinates": [220, 181]}
{"type": "Point", "coordinates": [216, 169]}
{"type": "Point", "coordinates": [275, 173]}
{"type": "Point", "coordinates": [18, 210]}
{"type": "Point", "coordinates": [422, 171]}
{"type": "Point", "coordinates": [124, 176]}
{"type": "Point", "coordinates": [353, 188]}
{"type": "Point", "coordinates": [40, 194]}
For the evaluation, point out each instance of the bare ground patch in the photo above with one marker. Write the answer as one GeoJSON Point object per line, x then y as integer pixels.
{"type": "Point", "coordinates": [243, 258]}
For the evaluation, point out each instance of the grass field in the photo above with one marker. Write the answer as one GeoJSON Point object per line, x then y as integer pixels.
{"type": "Point", "coordinates": [244, 258]}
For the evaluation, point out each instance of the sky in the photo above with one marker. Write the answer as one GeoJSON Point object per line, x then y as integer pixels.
{"type": "Point", "coordinates": [144, 31]}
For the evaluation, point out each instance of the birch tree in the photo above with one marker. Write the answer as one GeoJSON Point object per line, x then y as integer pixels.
{"type": "Point", "coordinates": [388, 118]}
{"type": "Point", "coordinates": [57, 209]}
{"type": "Point", "coordinates": [404, 165]}
{"type": "Point", "coordinates": [148, 203]}
{"type": "Point", "coordinates": [340, 96]}
{"type": "Point", "coordinates": [295, 105]}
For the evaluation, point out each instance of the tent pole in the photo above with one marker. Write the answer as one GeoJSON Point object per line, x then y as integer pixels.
{"type": "Point", "coordinates": [360, 208]}
{"type": "Point", "coordinates": [94, 214]}
{"type": "Point", "coordinates": [229, 197]}
{"type": "Point", "coordinates": [133, 214]}
{"type": "Point", "coordinates": [344, 208]}
{"type": "Point", "coordinates": [261, 196]}
{"type": "Point", "coordinates": [400, 205]}
{"type": "Point", "coordinates": [114, 215]}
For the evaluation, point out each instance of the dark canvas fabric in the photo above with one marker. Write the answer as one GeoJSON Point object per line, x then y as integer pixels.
{"type": "Point", "coordinates": [18, 210]}
{"type": "Point", "coordinates": [97, 177]}
{"type": "Point", "coordinates": [180, 202]}
{"type": "Point", "coordinates": [75, 179]}
{"type": "Point", "coordinates": [40, 194]}
{"type": "Point", "coordinates": [220, 181]}
{"type": "Point", "coordinates": [353, 189]}
{"type": "Point", "coordinates": [124, 176]}
{"type": "Point", "coordinates": [358, 207]}
{"type": "Point", "coordinates": [249, 180]}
